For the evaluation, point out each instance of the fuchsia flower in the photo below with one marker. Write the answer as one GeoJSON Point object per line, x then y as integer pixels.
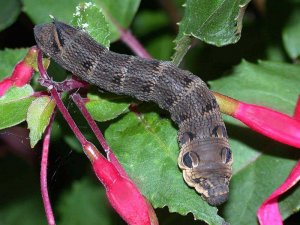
{"type": "Point", "coordinates": [278, 126]}
{"type": "Point", "coordinates": [271, 123]}
{"type": "Point", "coordinates": [121, 192]}
{"type": "Point", "coordinates": [22, 72]}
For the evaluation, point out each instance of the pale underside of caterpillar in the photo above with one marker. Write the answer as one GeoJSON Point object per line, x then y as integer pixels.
{"type": "Point", "coordinates": [205, 156]}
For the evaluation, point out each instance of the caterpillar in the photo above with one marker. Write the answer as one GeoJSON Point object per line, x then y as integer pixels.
{"type": "Point", "coordinates": [205, 156]}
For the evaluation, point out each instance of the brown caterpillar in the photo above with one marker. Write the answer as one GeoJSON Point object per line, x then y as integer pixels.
{"type": "Point", "coordinates": [205, 156]}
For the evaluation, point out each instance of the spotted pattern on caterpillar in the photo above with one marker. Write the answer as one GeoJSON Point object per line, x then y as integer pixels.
{"type": "Point", "coordinates": [205, 156]}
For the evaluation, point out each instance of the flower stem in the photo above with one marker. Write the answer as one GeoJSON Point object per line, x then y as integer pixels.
{"type": "Point", "coordinates": [109, 153]}
{"type": "Point", "coordinates": [43, 174]}
{"type": "Point", "coordinates": [52, 89]}
{"type": "Point", "coordinates": [128, 38]}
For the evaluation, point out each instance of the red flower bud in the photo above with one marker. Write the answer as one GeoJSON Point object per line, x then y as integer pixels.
{"type": "Point", "coordinates": [22, 74]}
{"type": "Point", "coordinates": [123, 195]}
{"type": "Point", "coordinates": [121, 192]}
{"type": "Point", "coordinates": [5, 85]}
{"type": "Point", "coordinates": [23, 71]}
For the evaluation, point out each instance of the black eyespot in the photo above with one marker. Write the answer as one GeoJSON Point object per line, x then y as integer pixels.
{"type": "Point", "coordinates": [186, 137]}
{"type": "Point", "coordinates": [190, 159]}
{"type": "Point", "coordinates": [226, 155]}
{"type": "Point", "coordinates": [187, 160]}
{"type": "Point", "coordinates": [219, 131]}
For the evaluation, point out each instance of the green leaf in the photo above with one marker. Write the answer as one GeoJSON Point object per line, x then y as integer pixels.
{"type": "Point", "coordinates": [216, 22]}
{"type": "Point", "coordinates": [39, 10]}
{"type": "Point", "coordinates": [85, 203]}
{"type": "Point", "coordinates": [38, 117]}
{"type": "Point", "coordinates": [107, 107]}
{"type": "Point", "coordinates": [9, 12]}
{"type": "Point", "coordinates": [148, 21]}
{"type": "Point", "coordinates": [291, 35]}
{"type": "Point", "coordinates": [260, 164]}
{"type": "Point", "coordinates": [9, 58]}
{"type": "Point", "coordinates": [14, 105]}
{"type": "Point", "coordinates": [161, 47]}
{"type": "Point", "coordinates": [90, 18]}
{"type": "Point", "coordinates": [147, 148]}
{"type": "Point", "coordinates": [119, 12]}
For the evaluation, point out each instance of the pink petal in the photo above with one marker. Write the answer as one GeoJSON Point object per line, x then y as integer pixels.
{"type": "Point", "coordinates": [271, 123]}
{"type": "Point", "coordinates": [269, 213]}
{"type": "Point", "coordinates": [5, 85]}
{"type": "Point", "coordinates": [297, 110]}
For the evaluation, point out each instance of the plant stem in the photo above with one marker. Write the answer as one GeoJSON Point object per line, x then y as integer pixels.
{"type": "Point", "coordinates": [59, 103]}
{"type": "Point", "coordinates": [109, 153]}
{"type": "Point", "coordinates": [128, 38]}
{"type": "Point", "coordinates": [182, 46]}
{"type": "Point", "coordinates": [43, 174]}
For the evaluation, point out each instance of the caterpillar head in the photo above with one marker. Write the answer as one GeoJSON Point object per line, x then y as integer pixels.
{"type": "Point", "coordinates": [51, 38]}
{"type": "Point", "coordinates": [206, 166]}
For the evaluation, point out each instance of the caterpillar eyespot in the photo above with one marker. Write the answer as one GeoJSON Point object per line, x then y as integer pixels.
{"type": "Point", "coordinates": [205, 155]}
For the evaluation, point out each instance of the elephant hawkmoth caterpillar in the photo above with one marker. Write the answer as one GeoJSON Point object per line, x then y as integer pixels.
{"type": "Point", "coordinates": [205, 156]}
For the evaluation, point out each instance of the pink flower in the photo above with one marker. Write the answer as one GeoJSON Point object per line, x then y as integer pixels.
{"type": "Point", "coordinates": [271, 123]}
{"type": "Point", "coordinates": [121, 192]}
{"type": "Point", "coordinates": [276, 125]}
{"type": "Point", "coordinates": [268, 212]}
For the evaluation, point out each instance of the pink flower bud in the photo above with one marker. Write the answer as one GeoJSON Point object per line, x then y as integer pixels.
{"type": "Point", "coordinates": [269, 122]}
{"type": "Point", "coordinates": [5, 85]}
{"type": "Point", "coordinates": [123, 195]}
{"type": "Point", "coordinates": [22, 74]}
{"type": "Point", "coordinates": [24, 69]}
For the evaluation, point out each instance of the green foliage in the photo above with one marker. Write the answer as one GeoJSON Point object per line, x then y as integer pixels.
{"type": "Point", "coordinates": [39, 10]}
{"type": "Point", "coordinates": [145, 142]}
{"type": "Point", "coordinates": [291, 36]}
{"type": "Point", "coordinates": [106, 107]}
{"type": "Point", "coordinates": [9, 12]}
{"type": "Point", "coordinates": [14, 105]}
{"type": "Point", "coordinates": [85, 198]}
{"type": "Point", "coordinates": [118, 13]}
{"type": "Point", "coordinates": [89, 17]}
{"type": "Point", "coordinates": [215, 22]}
{"type": "Point", "coordinates": [38, 117]}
